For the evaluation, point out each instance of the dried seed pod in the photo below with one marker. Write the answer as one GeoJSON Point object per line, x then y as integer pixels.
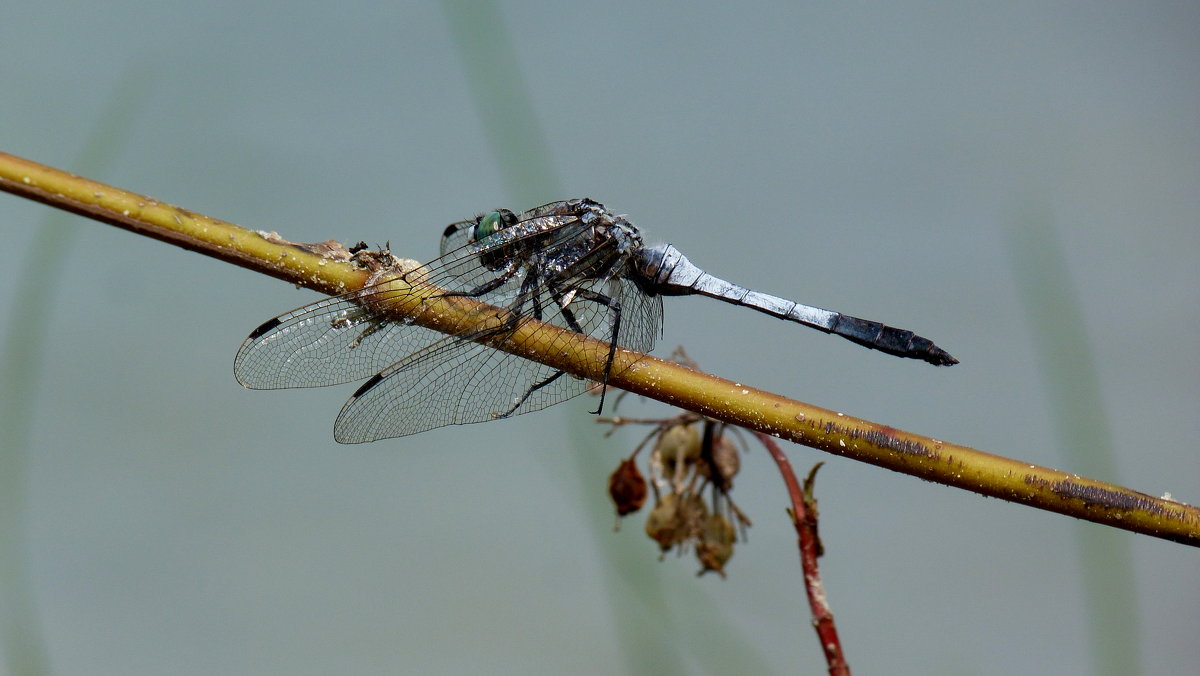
{"type": "Point", "coordinates": [715, 546]}
{"type": "Point", "coordinates": [627, 488]}
{"type": "Point", "coordinates": [726, 460]}
{"type": "Point", "coordinates": [677, 449]}
{"type": "Point", "coordinates": [663, 524]}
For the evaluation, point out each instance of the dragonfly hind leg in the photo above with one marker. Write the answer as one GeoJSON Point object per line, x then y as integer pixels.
{"type": "Point", "coordinates": [529, 392]}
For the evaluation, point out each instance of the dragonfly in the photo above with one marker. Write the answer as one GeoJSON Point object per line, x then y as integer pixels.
{"type": "Point", "coordinates": [571, 264]}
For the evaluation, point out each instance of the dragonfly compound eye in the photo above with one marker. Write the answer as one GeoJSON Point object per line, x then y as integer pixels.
{"type": "Point", "coordinates": [489, 224]}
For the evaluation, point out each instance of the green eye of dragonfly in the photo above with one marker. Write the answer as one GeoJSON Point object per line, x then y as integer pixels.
{"type": "Point", "coordinates": [489, 224]}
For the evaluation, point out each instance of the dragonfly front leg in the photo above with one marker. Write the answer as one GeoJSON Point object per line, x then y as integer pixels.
{"type": "Point", "coordinates": [510, 270]}
{"type": "Point", "coordinates": [514, 310]}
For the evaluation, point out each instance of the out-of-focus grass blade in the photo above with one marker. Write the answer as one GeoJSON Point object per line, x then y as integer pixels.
{"type": "Point", "coordinates": [1069, 376]}
{"type": "Point", "coordinates": [652, 618]}
{"type": "Point", "coordinates": [21, 361]}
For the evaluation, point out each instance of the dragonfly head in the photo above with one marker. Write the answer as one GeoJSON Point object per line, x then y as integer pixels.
{"type": "Point", "coordinates": [492, 222]}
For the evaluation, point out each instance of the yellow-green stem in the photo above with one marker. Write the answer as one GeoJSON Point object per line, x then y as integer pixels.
{"type": "Point", "coordinates": [738, 404]}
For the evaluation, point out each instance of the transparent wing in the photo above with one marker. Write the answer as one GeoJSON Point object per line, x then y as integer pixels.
{"type": "Point", "coordinates": [335, 340]}
{"type": "Point", "coordinates": [456, 236]}
{"type": "Point", "coordinates": [351, 337]}
{"type": "Point", "coordinates": [456, 381]}
{"type": "Point", "coordinates": [450, 382]}
{"type": "Point", "coordinates": [641, 318]}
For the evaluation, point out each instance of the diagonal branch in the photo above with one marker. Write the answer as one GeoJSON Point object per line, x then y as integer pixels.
{"type": "Point", "coordinates": [724, 400]}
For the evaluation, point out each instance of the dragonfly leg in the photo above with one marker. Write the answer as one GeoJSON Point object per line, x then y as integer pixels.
{"type": "Point", "coordinates": [614, 307]}
{"type": "Point", "coordinates": [487, 287]}
{"type": "Point", "coordinates": [530, 391]}
{"type": "Point", "coordinates": [527, 294]}
{"type": "Point", "coordinates": [561, 298]}
{"type": "Point", "coordinates": [372, 327]}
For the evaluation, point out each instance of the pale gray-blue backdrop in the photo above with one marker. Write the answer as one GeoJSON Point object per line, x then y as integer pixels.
{"type": "Point", "coordinates": [873, 159]}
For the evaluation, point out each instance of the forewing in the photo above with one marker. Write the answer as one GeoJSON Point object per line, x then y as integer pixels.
{"type": "Point", "coordinates": [457, 235]}
{"type": "Point", "coordinates": [451, 382]}
{"type": "Point", "coordinates": [345, 338]}
{"type": "Point", "coordinates": [334, 340]}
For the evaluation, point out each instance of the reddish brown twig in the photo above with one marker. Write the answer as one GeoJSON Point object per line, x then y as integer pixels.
{"type": "Point", "coordinates": [804, 517]}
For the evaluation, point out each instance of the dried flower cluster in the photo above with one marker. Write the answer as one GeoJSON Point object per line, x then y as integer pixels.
{"type": "Point", "coordinates": [692, 465]}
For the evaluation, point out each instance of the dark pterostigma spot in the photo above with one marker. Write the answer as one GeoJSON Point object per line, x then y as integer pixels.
{"type": "Point", "coordinates": [267, 326]}
{"type": "Point", "coordinates": [366, 386]}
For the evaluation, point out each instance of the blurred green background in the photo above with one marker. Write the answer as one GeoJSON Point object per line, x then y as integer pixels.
{"type": "Point", "coordinates": [894, 163]}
